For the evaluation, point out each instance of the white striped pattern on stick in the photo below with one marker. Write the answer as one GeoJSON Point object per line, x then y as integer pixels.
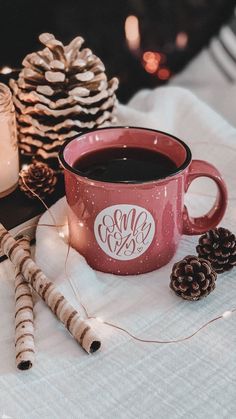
{"type": "Point", "coordinates": [80, 329]}
{"type": "Point", "coordinates": [24, 318]}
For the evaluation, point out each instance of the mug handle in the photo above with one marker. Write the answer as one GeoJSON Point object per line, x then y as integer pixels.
{"type": "Point", "coordinates": [199, 225]}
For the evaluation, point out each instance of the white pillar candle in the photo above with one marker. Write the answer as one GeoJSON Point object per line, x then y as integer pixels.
{"type": "Point", "coordinates": [9, 159]}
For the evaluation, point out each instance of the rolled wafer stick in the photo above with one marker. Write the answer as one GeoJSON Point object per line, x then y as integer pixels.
{"type": "Point", "coordinates": [24, 319]}
{"type": "Point", "coordinates": [79, 329]}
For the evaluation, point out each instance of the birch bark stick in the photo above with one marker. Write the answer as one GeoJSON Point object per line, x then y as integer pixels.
{"type": "Point", "coordinates": [24, 318]}
{"type": "Point", "coordinates": [79, 329]}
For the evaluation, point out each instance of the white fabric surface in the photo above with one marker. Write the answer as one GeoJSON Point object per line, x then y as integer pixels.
{"type": "Point", "coordinates": [205, 80]}
{"type": "Point", "coordinates": [128, 379]}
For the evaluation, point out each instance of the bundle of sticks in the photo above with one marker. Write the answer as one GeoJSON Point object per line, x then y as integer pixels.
{"type": "Point", "coordinates": [28, 277]}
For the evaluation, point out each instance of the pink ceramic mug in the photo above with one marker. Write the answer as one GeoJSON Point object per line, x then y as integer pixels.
{"type": "Point", "coordinates": [127, 228]}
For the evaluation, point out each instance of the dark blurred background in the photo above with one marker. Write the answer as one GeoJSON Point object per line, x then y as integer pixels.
{"type": "Point", "coordinates": [143, 42]}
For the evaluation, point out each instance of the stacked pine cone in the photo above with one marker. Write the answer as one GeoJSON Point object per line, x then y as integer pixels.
{"type": "Point", "coordinates": [60, 92]}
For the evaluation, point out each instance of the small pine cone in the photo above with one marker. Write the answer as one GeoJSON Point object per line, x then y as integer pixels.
{"type": "Point", "coordinates": [39, 178]}
{"type": "Point", "coordinates": [192, 278]}
{"type": "Point", "coordinates": [219, 247]}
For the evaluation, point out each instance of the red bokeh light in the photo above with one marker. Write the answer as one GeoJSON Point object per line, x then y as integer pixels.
{"type": "Point", "coordinates": [148, 55]}
{"type": "Point", "coordinates": [163, 73]}
{"type": "Point", "coordinates": [151, 61]}
{"type": "Point", "coordinates": [151, 67]}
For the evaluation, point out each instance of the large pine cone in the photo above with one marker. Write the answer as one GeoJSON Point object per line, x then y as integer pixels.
{"type": "Point", "coordinates": [60, 92]}
{"type": "Point", "coordinates": [37, 179]}
{"type": "Point", "coordinates": [219, 247]}
{"type": "Point", "coordinates": [192, 278]}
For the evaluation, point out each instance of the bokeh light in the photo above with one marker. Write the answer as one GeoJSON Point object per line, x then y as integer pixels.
{"type": "Point", "coordinates": [164, 73]}
{"type": "Point", "coordinates": [181, 40]}
{"type": "Point", "coordinates": [132, 33]}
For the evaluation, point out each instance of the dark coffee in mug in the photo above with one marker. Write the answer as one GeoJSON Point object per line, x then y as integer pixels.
{"type": "Point", "coordinates": [125, 164]}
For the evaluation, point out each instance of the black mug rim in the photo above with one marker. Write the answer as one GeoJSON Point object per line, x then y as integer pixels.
{"type": "Point", "coordinates": [178, 170]}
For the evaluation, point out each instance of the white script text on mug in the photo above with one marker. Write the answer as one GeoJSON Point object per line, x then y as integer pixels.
{"type": "Point", "coordinates": [124, 231]}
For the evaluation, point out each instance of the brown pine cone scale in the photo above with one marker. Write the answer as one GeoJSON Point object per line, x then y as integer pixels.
{"type": "Point", "coordinates": [192, 278]}
{"type": "Point", "coordinates": [218, 246]}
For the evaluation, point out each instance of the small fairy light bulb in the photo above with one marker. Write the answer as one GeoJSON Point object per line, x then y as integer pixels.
{"type": "Point", "coordinates": [227, 314]}
{"type": "Point", "coordinates": [25, 166]}
{"type": "Point", "coordinates": [6, 70]}
{"type": "Point", "coordinates": [99, 320]}
{"type": "Point", "coordinates": [64, 232]}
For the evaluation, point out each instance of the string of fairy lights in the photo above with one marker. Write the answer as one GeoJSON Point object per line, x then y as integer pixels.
{"type": "Point", "coordinates": [63, 233]}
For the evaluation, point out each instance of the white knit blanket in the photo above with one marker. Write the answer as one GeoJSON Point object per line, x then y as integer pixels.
{"type": "Point", "coordinates": [128, 379]}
